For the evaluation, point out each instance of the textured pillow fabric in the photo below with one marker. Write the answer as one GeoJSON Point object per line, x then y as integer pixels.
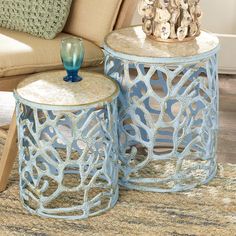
{"type": "Point", "coordinates": [92, 19]}
{"type": "Point", "coordinates": [41, 18]}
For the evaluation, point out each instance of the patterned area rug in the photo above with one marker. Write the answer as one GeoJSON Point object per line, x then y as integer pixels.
{"type": "Point", "coordinates": [207, 210]}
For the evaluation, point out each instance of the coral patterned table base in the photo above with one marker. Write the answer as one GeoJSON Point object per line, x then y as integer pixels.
{"type": "Point", "coordinates": [67, 145]}
{"type": "Point", "coordinates": [168, 111]}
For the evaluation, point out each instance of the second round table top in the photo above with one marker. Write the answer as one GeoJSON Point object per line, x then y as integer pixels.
{"type": "Point", "coordinates": [132, 43]}
{"type": "Point", "coordinates": [49, 89]}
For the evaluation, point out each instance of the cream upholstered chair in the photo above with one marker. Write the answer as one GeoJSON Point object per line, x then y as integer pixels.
{"type": "Point", "coordinates": [22, 54]}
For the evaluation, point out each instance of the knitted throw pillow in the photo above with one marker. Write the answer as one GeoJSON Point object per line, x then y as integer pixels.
{"type": "Point", "coordinates": [41, 18]}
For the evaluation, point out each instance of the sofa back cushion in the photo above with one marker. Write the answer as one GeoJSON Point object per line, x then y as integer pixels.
{"type": "Point", "coordinates": [41, 18]}
{"type": "Point", "coordinates": [92, 19]}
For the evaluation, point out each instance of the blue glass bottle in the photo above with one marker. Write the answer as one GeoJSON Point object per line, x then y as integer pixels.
{"type": "Point", "coordinates": [72, 56]}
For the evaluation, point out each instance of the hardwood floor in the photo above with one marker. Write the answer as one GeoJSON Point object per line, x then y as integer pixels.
{"type": "Point", "coordinates": [227, 134]}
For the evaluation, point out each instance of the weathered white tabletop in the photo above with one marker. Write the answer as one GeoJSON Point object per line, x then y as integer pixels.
{"type": "Point", "coordinates": [51, 90]}
{"type": "Point", "coordinates": [132, 43]}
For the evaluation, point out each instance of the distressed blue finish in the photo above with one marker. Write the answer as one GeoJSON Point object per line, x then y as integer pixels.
{"type": "Point", "coordinates": [168, 119]}
{"type": "Point", "coordinates": [68, 160]}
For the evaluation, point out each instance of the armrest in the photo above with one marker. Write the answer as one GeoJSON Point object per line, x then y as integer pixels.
{"type": "Point", "coordinates": [126, 13]}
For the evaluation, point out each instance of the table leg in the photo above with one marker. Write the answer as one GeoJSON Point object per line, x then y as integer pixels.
{"type": "Point", "coordinates": [8, 155]}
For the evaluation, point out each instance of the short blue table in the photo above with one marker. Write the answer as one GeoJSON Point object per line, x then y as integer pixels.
{"type": "Point", "coordinates": [168, 109]}
{"type": "Point", "coordinates": [67, 132]}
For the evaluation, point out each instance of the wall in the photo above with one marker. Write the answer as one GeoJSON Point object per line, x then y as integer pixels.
{"type": "Point", "coordinates": [219, 17]}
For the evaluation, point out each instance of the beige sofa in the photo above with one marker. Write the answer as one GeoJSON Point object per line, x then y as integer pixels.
{"type": "Point", "coordinates": [22, 54]}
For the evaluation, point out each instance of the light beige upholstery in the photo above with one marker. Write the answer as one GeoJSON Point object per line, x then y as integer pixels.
{"type": "Point", "coordinates": [92, 19]}
{"type": "Point", "coordinates": [21, 53]}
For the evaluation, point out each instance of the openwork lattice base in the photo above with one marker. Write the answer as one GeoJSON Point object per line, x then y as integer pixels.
{"type": "Point", "coordinates": [68, 161]}
{"type": "Point", "coordinates": [168, 119]}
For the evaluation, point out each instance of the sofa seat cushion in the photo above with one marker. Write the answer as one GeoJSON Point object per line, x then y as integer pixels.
{"type": "Point", "coordinates": [92, 19]}
{"type": "Point", "coordinates": [21, 53]}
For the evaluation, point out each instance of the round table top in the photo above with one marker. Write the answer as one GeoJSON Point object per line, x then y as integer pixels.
{"type": "Point", "coordinates": [132, 44]}
{"type": "Point", "coordinates": [49, 89]}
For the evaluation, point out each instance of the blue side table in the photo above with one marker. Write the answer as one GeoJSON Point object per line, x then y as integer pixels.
{"type": "Point", "coordinates": [168, 109]}
{"type": "Point", "coordinates": [67, 132]}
